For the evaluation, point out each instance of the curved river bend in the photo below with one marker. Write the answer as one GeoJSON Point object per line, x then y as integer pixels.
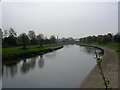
{"type": "Point", "coordinates": [64, 68]}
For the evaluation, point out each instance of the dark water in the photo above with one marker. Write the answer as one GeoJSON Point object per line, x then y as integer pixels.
{"type": "Point", "coordinates": [64, 68]}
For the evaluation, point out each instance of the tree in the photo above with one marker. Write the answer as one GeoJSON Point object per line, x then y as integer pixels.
{"type": "Point", "coordinates": [1, 36]}
{"type": "Point", "coordinates": [116, 38]}
{"type": "Point", "coordinates": [100, 38]}
{"type": "Point", "coordinates": [1, 33]}
{"type": "Point", "coordinates": [110, 36]}
{"type": "Point", "coordinates": [12, 37]}
{"type": "Point", "coordinates": [24, 39]}
{"type": "Point", "coordinates": [12, 32]}
{"type": "Point", "coordinates": [40, 38]}
{"type": "Point", "coordinates": [5, 33]}
{"type": "Point", "coordinates": [52, 38]}
{"type": "Point", "coordinates": [32, 37]}
{"type": "Point", "coordinates": [10, 41]}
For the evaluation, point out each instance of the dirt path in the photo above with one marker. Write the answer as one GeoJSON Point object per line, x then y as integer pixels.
{"type": "Point", "coordinates": [110, 68]}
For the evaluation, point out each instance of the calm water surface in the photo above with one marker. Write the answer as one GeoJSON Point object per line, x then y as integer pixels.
{"type": "Point", "coordinates": [64, 68]}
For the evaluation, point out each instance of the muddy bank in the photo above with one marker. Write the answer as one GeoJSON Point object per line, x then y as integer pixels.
{"type": "Point", "coordinates": [110, 69]}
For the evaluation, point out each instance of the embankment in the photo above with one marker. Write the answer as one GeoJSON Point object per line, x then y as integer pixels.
{"type": "Point", "coordinates": [110, 69]}
{"type": "Point", "coordinates": [27, 53]}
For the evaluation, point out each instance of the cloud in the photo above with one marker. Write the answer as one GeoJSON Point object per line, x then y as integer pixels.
{"type": "Point", "coordinates": [76, 19]}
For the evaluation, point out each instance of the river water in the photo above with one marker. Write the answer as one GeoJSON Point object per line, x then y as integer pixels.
{"type": "Point", "coordinates": [64, 68]}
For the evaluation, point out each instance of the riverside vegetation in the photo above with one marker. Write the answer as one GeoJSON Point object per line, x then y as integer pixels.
{"type": "Point", "coordinates": [99, 61]}
{"type": "Point", "coordinates": [25, 45]}
{"type": "Point", "coordinates": [19, 52]}
{"type": "Point", "coordinates": [108, 40]}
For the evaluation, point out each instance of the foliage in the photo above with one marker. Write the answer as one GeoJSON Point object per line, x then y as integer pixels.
{"type": "Point", "coordinates": [32, 37]}
{"type": "Point", "coordinates": [101, 39]}
{"type": "Point", "coordinates": [116, 38]}
{"type": "Point", "coordinates": [99, 61]}
{"type": "Point", "coordinates": [40, 38]}
{"type": "Point", "coordinates": [18, 51]}
{"type": "Point", "coordinates": [12, 32]}
{"type": "Point", "coordinates": [52, 38]}
{"type": "Point", "coordinates": [1, 35]}
{"type": "Point", "coordinates": [10, 39]}
{"type": "Point", "coordinates": [109, 40]}
{"type": "Point", "coordinates": [24, 39]}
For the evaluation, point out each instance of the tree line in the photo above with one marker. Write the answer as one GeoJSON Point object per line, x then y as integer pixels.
{"type": "Point", "coordinates": [10, 38]}
{"type": "Point", "coordinates": [101, 39]}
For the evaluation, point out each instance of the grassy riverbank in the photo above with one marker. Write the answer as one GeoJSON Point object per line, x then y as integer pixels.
{"type": "Point", "coordinates": [113, 46]}
{"type": "Point", "coordinates": [18, 52]}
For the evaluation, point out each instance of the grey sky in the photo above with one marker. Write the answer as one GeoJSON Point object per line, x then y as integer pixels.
{"type": "Point", "coordinates": [60, 0]}
{"type": "Point", "coordinates": [0, 14]}
{"type": "Point", "coordinates": [77, 19]}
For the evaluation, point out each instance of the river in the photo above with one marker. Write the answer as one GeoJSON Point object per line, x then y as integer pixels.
{"type": "Point", "coordinates": [64, 68]}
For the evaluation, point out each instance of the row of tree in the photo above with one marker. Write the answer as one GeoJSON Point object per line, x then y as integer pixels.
{"type": "Point", "coordinates": [10, 38]}
{"type": "Point", "coordinates": [102, 39]}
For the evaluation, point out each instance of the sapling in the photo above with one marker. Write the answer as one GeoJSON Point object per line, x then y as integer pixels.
{"type": "Point", "coordinates": [99, 61]}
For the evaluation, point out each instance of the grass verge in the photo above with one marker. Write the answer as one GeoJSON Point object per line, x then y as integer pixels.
{"type": "Point", "coordinates": [16, 52]}
{"type": "Point", "coordinates": [113, 46]}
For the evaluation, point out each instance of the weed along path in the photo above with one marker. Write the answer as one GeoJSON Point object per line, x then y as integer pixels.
{"type": "Point", "coordinates": [110, 68]}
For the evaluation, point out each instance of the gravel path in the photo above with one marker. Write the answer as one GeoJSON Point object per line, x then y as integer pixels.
{"type": "Point", "coordinates": [110, 68]}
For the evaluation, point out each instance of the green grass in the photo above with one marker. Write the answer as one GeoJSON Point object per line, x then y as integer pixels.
{"type": "Point", "coordinates": [18, 51]}
{"type": "Point", "coordinates": [114, 46]}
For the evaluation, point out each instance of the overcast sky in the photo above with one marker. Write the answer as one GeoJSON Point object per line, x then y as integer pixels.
{"type": "Point", "coordinates": [76, 19]}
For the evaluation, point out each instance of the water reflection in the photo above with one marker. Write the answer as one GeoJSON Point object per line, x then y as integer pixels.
{"type": "Point", "coordinates": [25, 66]}
{"type": "Point", "coordinates": [41, 61]}
{"type": "Point", "coordinates": [70, 57]}
{"type": "Point", "coordinates": [28, 64]}
{"type": "Point", "coordinates": [51, 55]}
{"type": "Point", "coordinates": [33, 62]}
{"type": "Point", "coordinates": [91, 50]}
{"type": "Point", "coordinates": [11, 69]}
{"type": "Point", "coordinates": [0, 74]}
{"type": "Point", "coordinates": [66, 46]}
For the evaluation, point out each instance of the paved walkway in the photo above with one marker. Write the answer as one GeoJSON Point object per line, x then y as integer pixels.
{"type": "Point", "coordinates": [110, 68]}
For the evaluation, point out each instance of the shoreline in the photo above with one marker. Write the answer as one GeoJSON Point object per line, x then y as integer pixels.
{"type": "Point", "coordinates": [31, 54]}
{"type": "Point", "coordinates": [110, 69]}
